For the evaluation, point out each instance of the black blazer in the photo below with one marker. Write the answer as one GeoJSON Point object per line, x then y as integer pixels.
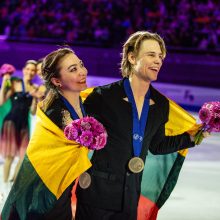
{"type": "Point", "coordinates": [113, 186]}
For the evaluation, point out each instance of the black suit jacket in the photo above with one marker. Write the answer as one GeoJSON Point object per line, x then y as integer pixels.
{"type": "Point", "coordinates": [113, 187]}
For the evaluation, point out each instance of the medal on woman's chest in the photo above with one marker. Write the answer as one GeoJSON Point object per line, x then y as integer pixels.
{"type": "Point", "coordinates": [136, 164]}
{"type": "Point", "coordinates": [85, 180]}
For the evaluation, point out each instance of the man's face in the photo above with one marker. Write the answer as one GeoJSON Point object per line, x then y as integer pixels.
{"type": "Point", "coordinates": [148, 60]}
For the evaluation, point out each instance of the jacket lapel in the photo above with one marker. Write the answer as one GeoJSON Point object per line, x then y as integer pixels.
{"type": "Point", "coordinates": [124, 106]}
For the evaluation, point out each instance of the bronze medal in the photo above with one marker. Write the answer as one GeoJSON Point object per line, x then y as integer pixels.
{"type": "Point", "coordinates": [84, 180]}
{"type": "Point", "coordinates": [136, 165]}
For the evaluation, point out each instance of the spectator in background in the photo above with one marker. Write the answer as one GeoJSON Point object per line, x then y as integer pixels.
{"type": "Point", "coordinates": [39, 67]}
{"type": "Point", "coordinates": [110, 22]}
{"type": "Point", "coordinates": [15, 132]}
{"type": "Point", "coordinates": [41, 92]}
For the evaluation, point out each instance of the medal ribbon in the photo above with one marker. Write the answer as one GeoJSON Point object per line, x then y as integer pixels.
{"type": "Point", "coordinates": [72, 110]}
{"type": "Point", "coordinates": [138, 125]}
{"type": "Point", "coordinates": [23, 89]}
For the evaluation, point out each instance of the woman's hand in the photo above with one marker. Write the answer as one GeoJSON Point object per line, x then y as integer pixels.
{"type": "Point", "coordinates": [5, 91]}
{"type": "Point", "coordinates": [6, 76]}
{"type": "Point", "coordinates": [6, 80]}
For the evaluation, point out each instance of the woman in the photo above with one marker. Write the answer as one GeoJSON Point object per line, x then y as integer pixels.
{"type": "Point", "coordinates": [42, 89]}
{"type": "Point", "coordinates": [15, 133]}
{"type": "Point", "coordinates": [42, 189]}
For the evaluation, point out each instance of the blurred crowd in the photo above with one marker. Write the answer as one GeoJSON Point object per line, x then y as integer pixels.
{"type": "Point", "coordinates": [182, 23]}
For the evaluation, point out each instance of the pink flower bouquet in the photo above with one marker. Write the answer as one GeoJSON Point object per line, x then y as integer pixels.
{"type": "Point", "coordinates": [209, 114]}
{"type": "Point", "coordinates": [7, 68]}
{"type": "Point", "coordinates": [88, 132]}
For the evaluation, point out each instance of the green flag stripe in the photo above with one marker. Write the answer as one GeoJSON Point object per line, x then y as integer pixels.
{"type": "Point", "coordinates": [156, 171]}
{"type": "Point", "coordinates": [171, 180]}
{"type": "Point", "coordinates": [28, 194]}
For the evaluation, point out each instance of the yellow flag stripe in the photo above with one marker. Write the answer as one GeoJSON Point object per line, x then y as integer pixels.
{"type": "Point", "coordinates": [57, 161]}
{"type": "Point", "coordinates": [180, 121]}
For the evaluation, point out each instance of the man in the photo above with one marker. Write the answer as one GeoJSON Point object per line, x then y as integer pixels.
{"type": "Point", "coordinates": [134, 114]}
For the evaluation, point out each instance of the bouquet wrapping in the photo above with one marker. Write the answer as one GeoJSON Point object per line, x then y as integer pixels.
{"type": "Point", "coordinates": [88, 132]}
{"type": "Point", "coordinates": [209, 114]}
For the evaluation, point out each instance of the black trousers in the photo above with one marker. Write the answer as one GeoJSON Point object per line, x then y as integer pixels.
{"type": "Point", "coordinates": [86, 212]}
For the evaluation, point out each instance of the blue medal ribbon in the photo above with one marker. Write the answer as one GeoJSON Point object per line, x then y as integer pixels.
{"type": "Point", "coordinates": [138, 125]}
{"type": "Point", "coordinates": [70, 108]}
{"type": "Point", "coordinates": [23, 87]}
{"type": "Point", "coordinates": [23, 90]}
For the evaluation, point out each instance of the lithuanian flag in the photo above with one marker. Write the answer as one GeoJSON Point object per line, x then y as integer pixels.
{"type": "Point", "coordinates": [161, 171]}
{"type": "Point", "coordinates": [50, 165]}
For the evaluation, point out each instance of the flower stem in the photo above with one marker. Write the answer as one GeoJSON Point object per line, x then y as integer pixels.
{"type": "Point", "coordinates": [198, 137]}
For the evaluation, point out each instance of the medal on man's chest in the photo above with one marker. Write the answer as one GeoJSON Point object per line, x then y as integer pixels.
{"type": "Point", "coordinates": [136, 165]}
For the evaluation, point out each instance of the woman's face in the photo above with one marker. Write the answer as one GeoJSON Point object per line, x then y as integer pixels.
{"type": "Point", "coordinates": [29, 71]}
{"type": "Point", "coordinates": [38, 69]}
{"type": "Point", "coordinates": [72, 74]}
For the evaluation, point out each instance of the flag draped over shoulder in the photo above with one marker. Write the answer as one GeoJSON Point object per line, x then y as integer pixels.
{"type": "Point", "coordinates": [51, 164]}
{"type": "Point", "coordinates": [85, 93]}
{"type": "Point", "coordinates": [161, 171]}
